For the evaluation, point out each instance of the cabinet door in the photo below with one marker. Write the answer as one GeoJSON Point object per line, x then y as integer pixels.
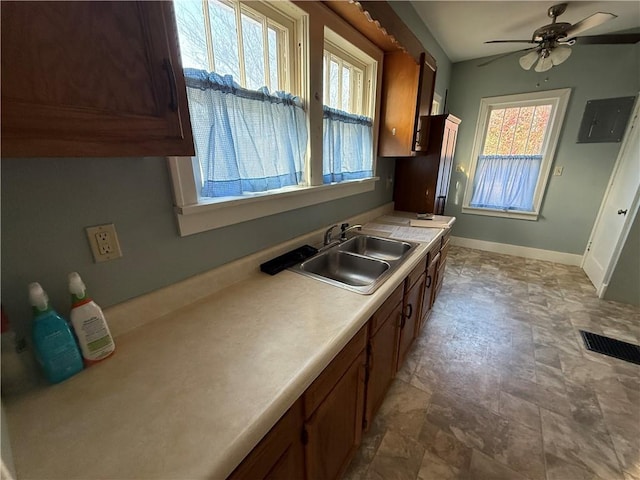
{"type": "Point", "coordinates": [92, 79]}
{"type": "Point", "coordinates": [449, 137]}
{"type": "Point", "coordinates": [400, 76]}
{"type": "Point", "coordinates": [407, 95]}
{"type": "Point", "coordinates": [334, 430]}
{"type": "Point", "coordinates": [415, 184]}
{"type": "Point", "coordinates": [410, 319]}
{"type": "Point", "coordinates": [383, 355]}
{"type": "Point", "coordinates": [441, 267]}
{"type": "Point", "coordinates": [279, 455]}
{"type": "Point", "coordinates": [427, 297]}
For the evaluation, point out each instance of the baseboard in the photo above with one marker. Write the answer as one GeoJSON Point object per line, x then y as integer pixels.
{"type": "Point", "coordinates": [519, 251]}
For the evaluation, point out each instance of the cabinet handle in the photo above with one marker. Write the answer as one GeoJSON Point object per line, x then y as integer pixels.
{"type": "Point", "coordinates": [428, 281]}
{"type": "Point", "coordinates": [408, 316]}
{"type": "Point", "coordinates": [173, 89]}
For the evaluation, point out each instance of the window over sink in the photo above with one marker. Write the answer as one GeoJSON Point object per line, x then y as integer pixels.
{"type": "Point", "coordinates": [256, 100]}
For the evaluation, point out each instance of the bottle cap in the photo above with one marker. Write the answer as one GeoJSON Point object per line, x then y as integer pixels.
{"type": "Point", "coordinates": [37, 296]}
{"type": "Point", "coordinates": [76, 285]}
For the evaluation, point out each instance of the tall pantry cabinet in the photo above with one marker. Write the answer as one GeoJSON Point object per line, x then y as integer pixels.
{"type": "Point", "coordinates": [422, 181]}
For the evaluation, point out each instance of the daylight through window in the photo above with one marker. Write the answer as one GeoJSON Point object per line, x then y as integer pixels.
{"type": "Point", "coordinates": [513, 151]}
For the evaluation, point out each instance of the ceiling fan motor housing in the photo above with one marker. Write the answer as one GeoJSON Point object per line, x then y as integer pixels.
{"type": "Point", "coordinates": [552, 32]}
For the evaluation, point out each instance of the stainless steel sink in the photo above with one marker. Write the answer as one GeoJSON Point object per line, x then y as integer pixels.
{"type": "Point", "coordinates": [345, 267]}
{"type": "Point", "coordinates": [376, 247]}
{"type": "Point", "coordinates": [360, 264]}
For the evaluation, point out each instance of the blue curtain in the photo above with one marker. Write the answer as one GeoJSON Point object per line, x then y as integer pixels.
{"type": "Point", "coordinates": [506, 182]}
{"type": "Point", "coordinates": [347, 146]}
{"type": "Point", "coordinates": [246, 141]}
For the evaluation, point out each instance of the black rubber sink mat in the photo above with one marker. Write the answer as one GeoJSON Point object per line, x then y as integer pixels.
{"type": "Point", "coordinates": [611, 347]}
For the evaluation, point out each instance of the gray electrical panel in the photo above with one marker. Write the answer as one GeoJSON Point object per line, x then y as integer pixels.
{"type": "Point", "coordinates": [605, 120]}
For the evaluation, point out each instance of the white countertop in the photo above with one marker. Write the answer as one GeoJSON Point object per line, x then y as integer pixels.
{"type": "Point", "coordinates": [189, 395]}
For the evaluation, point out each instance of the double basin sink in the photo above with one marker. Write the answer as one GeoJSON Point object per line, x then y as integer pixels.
{"type": "Point", "coordinates": [360, 264]}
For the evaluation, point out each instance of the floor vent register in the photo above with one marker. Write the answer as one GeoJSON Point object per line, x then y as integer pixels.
{"type": "Point", "coordinates": [611, 347]}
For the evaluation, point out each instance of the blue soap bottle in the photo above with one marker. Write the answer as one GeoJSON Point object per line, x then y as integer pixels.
{"type": "Point", "coordinates": [55, 346]}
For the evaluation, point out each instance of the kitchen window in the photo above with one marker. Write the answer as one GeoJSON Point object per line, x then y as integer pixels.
{"type": "Point", "coordinates": [515, 142]}
{"type": "Point", "coordinates": [256, 86]}
{"type": "Point", "coordinates": [347, 125]}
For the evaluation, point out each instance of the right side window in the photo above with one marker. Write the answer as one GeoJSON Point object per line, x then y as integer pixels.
{"type": "Point", "coordinates": [515, 142]}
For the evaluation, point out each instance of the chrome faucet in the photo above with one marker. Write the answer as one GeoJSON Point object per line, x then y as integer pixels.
{"type": "Point", "coordinates": [327, 234]}
{"type": "Point", "coordinates": [344, 228]}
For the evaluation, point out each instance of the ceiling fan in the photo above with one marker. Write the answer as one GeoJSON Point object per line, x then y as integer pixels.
{"type": "Point", "coordinates": [554, 41]}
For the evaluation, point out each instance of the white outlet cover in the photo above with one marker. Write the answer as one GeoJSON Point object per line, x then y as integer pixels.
{"type": "Point", "coordinates": [103, 240]}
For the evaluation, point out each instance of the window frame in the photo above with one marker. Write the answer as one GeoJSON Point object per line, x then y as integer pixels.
{"type": "Point", "coordinates": [559, 100]}
{"type": "Point", "coordinates": [198, 214]}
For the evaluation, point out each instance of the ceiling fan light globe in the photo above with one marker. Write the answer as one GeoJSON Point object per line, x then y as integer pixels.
{"type": "Point", "coordinates": [527, 61]}
{"type": "Point", "coordinates": [544, 64]}
{"type": "Point", "coordinates": [560, 54]}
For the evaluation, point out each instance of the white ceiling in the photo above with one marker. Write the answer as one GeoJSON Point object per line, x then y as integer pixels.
{"type": "Point", "coordinates": [461, 27]}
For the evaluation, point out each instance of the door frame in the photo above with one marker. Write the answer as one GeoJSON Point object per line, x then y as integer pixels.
{"type": "Point", "coordinates": [633, 208]}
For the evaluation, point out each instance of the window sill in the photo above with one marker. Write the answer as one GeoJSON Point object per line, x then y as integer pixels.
{"type": "Point", "coordinates": [220, 213]}
{"type": "Point", "coordinates": [490, 212]}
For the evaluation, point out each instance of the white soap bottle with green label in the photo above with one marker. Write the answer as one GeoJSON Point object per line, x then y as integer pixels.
{"type": "Point", "coordinates": [89, 324]}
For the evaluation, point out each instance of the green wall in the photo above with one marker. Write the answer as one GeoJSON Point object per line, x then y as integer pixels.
{"type": "Point", "coordinates": [625, 281]}
{"type": "Point", "coordinates": [571, 201]}
{"type": "Point", "coordinates": [47, 203]}
{"type": "Point", "coordinates": [411, 18]}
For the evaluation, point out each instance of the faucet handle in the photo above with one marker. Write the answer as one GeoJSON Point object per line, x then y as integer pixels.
{"type": "Point", "coordinates": [327, 234]}
{"type": "Point", "coordinates": [344, 226]}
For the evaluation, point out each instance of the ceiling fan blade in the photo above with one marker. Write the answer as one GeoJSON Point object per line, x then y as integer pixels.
{"type": "Point", "coordinates": [510, 41]}
{"type": "Point", "coordinates": [616, 38]}
{"type": "Point", "coordinates": [505, 55]}
{"type": "Point", "coordinates": [589, 22]}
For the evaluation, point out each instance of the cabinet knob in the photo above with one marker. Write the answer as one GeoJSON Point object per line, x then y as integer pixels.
{"type": "Point", "coordinates": [393, 132]}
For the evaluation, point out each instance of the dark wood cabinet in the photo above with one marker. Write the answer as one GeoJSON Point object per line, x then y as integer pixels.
{"type": "Point", "coordinates": [318, 436]}
{"type": "Point", "coordinates": [92, 78]}
{"type": "Point", "coordinates": [429, 285]}
{"type": "Point", "coordinates": [279, 455]}
{"type": "Point", "coordinates": [422, 182]}
{"type": "Point", "coordinates": [411, 313]}
{"type": "Point", "coordinates": [333, 407]}
{"type": "Point", "coordinates": [383, 352]}
{"type": "Point", "coordinates": [407, 95]}
{"type": "Point", "coordinates": [442, 263]}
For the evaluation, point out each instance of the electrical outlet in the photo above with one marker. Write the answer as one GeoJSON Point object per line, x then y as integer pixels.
{"type": "Point", "coordinates": [104, 242]}
{"type": "Point", "coordinates": [557, 171]}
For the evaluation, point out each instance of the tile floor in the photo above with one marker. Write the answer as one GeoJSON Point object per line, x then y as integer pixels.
{"type": "Point", "coordinates": [499, 384]}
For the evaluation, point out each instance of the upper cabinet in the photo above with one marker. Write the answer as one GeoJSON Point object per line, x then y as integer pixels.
{"type": "Point", "coordinates": [407, 95]}
{"type": "Point", "coordinates": [408, 76]}
{"type": "Point", "coordinates": [422, 183]}
{"type": "Point", "coordinates": [90, 78]}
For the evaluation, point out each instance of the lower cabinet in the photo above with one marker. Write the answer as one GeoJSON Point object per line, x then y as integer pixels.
{"type": "Point", "coordinates": [318, 436]}
{"type": "Point", "coordinates": [442, 263]}
{"type": "Point", "coordinates": [411, 315]}
{"type": "Point", "coordinates": [333, 407]}
{"type": "Point", "coordinates": [383, 352]}
{"type": "Point", "coordinates": [279, 455]}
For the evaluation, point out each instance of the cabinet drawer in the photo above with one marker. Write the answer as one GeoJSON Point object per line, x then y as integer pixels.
{"type": "Point", "coordinates": [413, 277]}
{"type": "Point", "coordinates": [322, 385]}
{"type": "Point", "coordinates": [386, 308]}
